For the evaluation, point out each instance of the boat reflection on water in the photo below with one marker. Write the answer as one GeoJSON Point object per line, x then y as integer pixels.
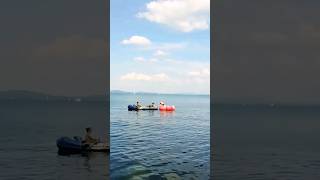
{"type": "Point", "coordinates": [167, 114]}
{"type": "Point", "coordinates": [148, 114]}
{"type": "Point", "coordinates": [143, 114]}
{"type": "Point", "coordinates": [82, 153]}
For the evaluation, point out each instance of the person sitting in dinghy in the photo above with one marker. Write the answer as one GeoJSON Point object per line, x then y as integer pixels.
{"type": "Point", "coordinates": [88, 139]}
{"type": "Point", "coordinates": [138, 104]}
{"type": "Point", "coordinates": [151, 106]}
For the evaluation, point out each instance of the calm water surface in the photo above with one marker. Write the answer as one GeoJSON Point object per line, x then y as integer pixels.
{"type": "Point", "coordinates": [28, 134]}
{"type": "Point", "coordinates": [263, 142]}
{"type": "Point", "coordinates": [160, 145]}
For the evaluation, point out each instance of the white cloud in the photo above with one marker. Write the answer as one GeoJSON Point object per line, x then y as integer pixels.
{"type": "Point", "coordinates": [139, 59]}
{"type": "Point", "coordinates": [160, 53]}
{"type": "Point", "coordinates": [165, 47]}
{"type": "Point", "coordinates": [133, 76]}
{"type": "Point", "coordinates": [174, 75]}
{"type": "Point", "coordinates": [183, 15]}
{"type": "Point", "coordinates": [145, 44]}
{"type": "Point", "coordinates": [137, 40]}
{"type": "Point", "coordinates": [144, 60]}
{"type": "Point", "coordinates": [136, 76]}
{"type": "Point", "coordinates": [201, 73]}
{"type": "Point", "coordinates": [155, 46]}
{"type": "Point", "coordinates": [160, 77]}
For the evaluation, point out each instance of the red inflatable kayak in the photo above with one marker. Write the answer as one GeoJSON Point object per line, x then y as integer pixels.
{"type": "Point", "coordinates": [167, 108]}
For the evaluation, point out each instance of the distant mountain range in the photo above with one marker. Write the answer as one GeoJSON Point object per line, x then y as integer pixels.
{"type": "Point", "coordinates": [141, 92]}
{"type": "Point", "coordinates": [21, 95]}
{"type": "Point", "coordinates": [119, 92]}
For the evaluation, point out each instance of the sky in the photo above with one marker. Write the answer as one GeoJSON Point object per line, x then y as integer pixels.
{"type": "Point", "coordinates": [160, 46]}
{"type": "Point", "coordinates": [267, 51]}
{"type": "Point", "coordinates": [55, 47]}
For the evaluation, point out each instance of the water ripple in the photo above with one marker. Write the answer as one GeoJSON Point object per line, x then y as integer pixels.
{"type": "Point", "coordinates": [160, 145]}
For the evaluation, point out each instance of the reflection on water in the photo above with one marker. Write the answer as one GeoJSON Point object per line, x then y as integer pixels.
{"type": "Point", "coordinates": [166, 114]}
{"type": "Point", "coordinates": [158, 144]}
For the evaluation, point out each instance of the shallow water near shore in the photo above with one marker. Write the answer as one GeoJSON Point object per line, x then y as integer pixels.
{"type": "Point", "coordinates": [160, 145]}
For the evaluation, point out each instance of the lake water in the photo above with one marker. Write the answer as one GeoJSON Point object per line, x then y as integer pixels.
{"type": "Point", "coordinates": [263, 142]}
{"type": "Point", "coordinates": [250, 142]}
{"type": "Point", "coordinates": [28, 140]}
{"type": "Point", "coordinates": [160, 145]}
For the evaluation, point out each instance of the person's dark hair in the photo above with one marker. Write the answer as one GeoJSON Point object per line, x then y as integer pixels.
{"type": "Point", "coordinates": [88, 129]}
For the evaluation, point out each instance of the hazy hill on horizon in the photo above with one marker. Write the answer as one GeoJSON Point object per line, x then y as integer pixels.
{"type": "Point", "coordinates": [25, 95]}
{"type": "Point", "coordinates": [144, 92]}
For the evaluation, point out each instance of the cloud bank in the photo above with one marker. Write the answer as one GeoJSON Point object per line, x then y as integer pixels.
{"type": "Point", "coordinates": [182, 15]}
{"type": "Point", "coordinates": [133, 76]}
{"type": "Point", "coordinates": [137, 40]}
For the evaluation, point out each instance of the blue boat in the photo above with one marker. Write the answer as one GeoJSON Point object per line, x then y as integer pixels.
{"type": "Point", "coordinates": [75, 145]}
{"type": "Point", "coordinates": [132, 108]}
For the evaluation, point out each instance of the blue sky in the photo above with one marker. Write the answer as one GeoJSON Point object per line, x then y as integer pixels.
{"type": "Point", "coordinates": [160, 46]}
